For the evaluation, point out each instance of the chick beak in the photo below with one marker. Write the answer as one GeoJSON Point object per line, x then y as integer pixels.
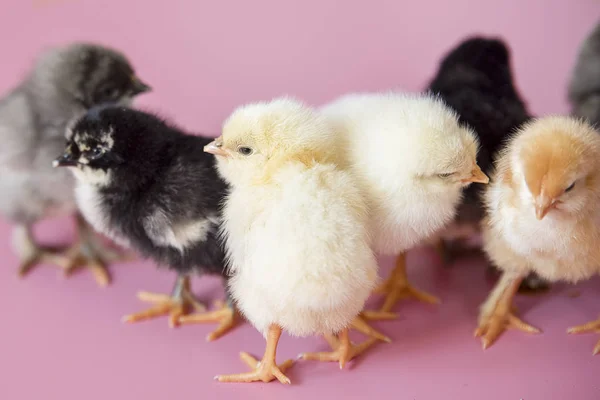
{"type": "Point", "coordinates": [543, 205]}
{"type": "Point", "coordinates": [66, 160]}
{"type": "Point", "coordinates": [477, 176]}
{"type": "Point", "coordinates": [139, 87]}
{"type": "Point", "coordinates": [216, 147]}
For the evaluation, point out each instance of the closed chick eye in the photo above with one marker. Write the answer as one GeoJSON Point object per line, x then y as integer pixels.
{"type": "Point", "coordinates": [571, 186]}
{"type": "Point", "coordinates": [245, 151]}
{"type": "Point", "coordinates": [446, 175]}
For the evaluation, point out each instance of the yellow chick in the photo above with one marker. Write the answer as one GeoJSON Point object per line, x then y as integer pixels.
{"type": "Point", "coordinates": [296, 232]}
{"type": "Point", "coordinates": [542, 216]}
{"type": "Point", "coordinates": [411, 159]}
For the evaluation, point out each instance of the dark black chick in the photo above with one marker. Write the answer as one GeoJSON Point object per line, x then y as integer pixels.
{"type": "Point", "coordinates": [151, 187]}
{"type": "Point", "coordinates": [476, 80]}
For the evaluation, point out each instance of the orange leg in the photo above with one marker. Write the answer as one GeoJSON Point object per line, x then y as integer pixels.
{"type": "Point", "coordinates": [496, 314]}
{"type": "Point", "coordinates": [343, 349]}
{"type": "Point", "coordinates": [593, 326]}
{"type": "Point", "coordinates": [180, 302]}
{"type": "Point", "coordinates": [266, 369]}
{"type": "Point", "coordinates": [225, 316]}
{"type": "Point", "coordinates": [397, 287]}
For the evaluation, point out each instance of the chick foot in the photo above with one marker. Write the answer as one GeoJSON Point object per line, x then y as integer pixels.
{"type": "Point", "coordinates": [225, 316]}
{"type": "Point", "coordinates": [179, 303]}
{"type": "Point", "coordinates": [31, 254]}
{"type": "Point", "coordinates": [497, 314]}
{"type": "Point", "coordinates": [363, 327]}
{"type": "Point", "coordinates": [266, 369]}
{"type": "Point", "coordinates": [343, 349]}
{"type": "Point", "coordinates": [593, 326]}
{"type": "Point", "coordinates": [397, 287]}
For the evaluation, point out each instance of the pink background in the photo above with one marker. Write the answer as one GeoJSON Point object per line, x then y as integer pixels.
{"type": "Point", "coordinates": [63, 339]}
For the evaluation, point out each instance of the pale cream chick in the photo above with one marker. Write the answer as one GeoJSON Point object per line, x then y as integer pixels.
{"type": "Point", "coordinates": [296, 231]}
{"type": "Point", "coordinates": [411, 159]}
{"type": "Point", "coordinates": [543, 215]}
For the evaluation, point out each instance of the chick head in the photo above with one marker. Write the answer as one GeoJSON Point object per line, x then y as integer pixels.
{"type": "Point", "coordinates": [90, 74]}
{"type": "Point", "coordinates": [258, 137]}
{"type": "Point", "coordinates": [557, 160]}
{"type": "Point", "coordinates": [110, 144]}
{"type": "Point", "coordinates": [441, 154]}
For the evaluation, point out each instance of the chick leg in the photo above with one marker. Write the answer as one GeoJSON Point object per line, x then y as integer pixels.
{"type": "Point", "coordinates": [91, 253]}
{"type": "Point", "coordinates": [343, 349]}
{"type": "Point", "coordinates": [397, 287]}
{"type": "Point", "coordinates": [225, 316]}
{"type": "Point", "coordinates": [32, 254]}
{"type": "Point", "coordinates": [593, 326]}
{"type": "Point", "coordinates": [266, 369]}
{"type": "Point", "coordinates": [496, 313]}
{"type": "Point", "coordinates": [175, 305]}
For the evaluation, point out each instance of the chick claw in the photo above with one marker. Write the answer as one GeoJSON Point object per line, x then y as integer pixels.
{"type": "Point", "coordinates": [593, 326]}
{"type": "Point", "coordinates": [396, 289]}
{"type": "Point", "coordinates": [38, 255]}
{"type": "Point", "coordinates": [174, 306]}
{"type": "Point", "coordinates": [265, 371]}
{"type": "Point", "coordinates": [361, 325]}
{"type": "Point", "coordinates": [492, 327]}
{"type": "Point", "coordinates": [94, 256]}
{"type": "Point", "coordinates": [224, 315]}
{"type": "Point", "coordinates": [343, 349]}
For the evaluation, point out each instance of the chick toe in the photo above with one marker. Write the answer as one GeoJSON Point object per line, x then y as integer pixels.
{"type": "Point", "coordinates": [224, 315]}
{"type": "Point", "coordinates": [266, 369]}
{"type": "Point", "coordinates": [179, 303]}
{"type": "Point", "coordinates": [593, 326]}
{"type": "Point", "coordinates": [363, 327]}
{"type": "Point", "coordinates": [343, 349]}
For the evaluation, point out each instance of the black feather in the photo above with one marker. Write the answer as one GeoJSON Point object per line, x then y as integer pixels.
{"type": "Point", "coordinates": [475, 79]}
{"type": "Point", "coordinates": [158, 173]}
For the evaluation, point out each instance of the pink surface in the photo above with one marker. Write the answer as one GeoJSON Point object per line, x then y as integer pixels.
{"type": "Point", "coordinates": [63, 339]}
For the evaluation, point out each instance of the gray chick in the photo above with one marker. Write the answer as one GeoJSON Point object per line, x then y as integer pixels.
{"type": "Point", "coordinates": [584, 87]}
{"type": "Point", "coordinates": [64, 83]}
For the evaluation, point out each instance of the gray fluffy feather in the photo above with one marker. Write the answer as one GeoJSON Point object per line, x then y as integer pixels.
{"type": "Point", "coordinates": [584, 88]}
{"type": "Point", "coordinates": [63, 83]}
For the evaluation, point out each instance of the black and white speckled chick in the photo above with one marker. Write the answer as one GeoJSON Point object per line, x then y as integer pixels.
{"type": "Point", "coordinates": [476, 80]}
{"type": "Point", "coordinates": [62, 85]}
{"type": "Point", "coordinates": [151, 187]}
{"type": "Point", "coordinates": [584, 87]}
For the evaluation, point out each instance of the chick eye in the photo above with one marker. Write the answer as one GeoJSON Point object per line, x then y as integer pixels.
{"type": "Point", "coordinates": [446, 175]}
{"type": "Point", "coordinates": [570, 187]}
{"type": "Point", "coordinates": [95, 152]}
{"type": "Point", "coordinates": [109, 93]}
{"type": "Point", "coordinates": [245, 151]}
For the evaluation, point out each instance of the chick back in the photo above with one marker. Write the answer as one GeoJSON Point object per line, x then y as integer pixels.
{"type": "Point", "coordinates": [299, 251]}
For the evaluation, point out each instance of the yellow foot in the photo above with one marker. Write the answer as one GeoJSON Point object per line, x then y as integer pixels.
{"type": "Point", "coordinates": [179, 303]}
{"type": "Point", "coordinates": [265, 370]}
{"type": "Point", "coordinates": [224, 316]}
{"type": "Point", "coordinates": [361, 325]}
{"type": "Point", "coordinates": [491, 327]}
{"type": "Point", "coordinates": [343, 349]}
{"type": "Point", "coordinates": [593, 326]}
{"type": "Point", "coordinates": [395, 289]}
